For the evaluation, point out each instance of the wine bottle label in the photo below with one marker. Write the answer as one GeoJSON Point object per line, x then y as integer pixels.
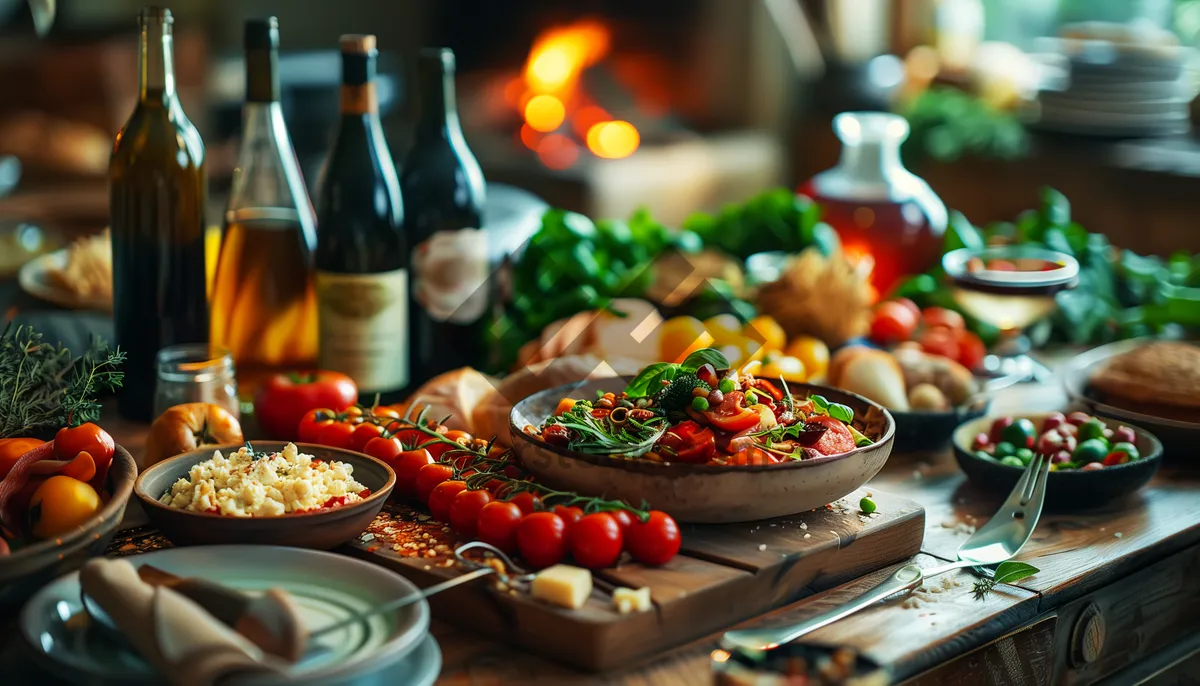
{"type": "Point", "coordinates": [363, 323]}
{"type": "Point", "coordinates": [450, 275]}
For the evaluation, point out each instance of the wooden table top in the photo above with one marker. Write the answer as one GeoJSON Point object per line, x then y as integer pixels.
{"type": "Point", "coordinates": [1076, 554]}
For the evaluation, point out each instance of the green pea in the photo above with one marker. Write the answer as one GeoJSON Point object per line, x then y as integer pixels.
{"type": "Point", "coordinates": [726, 385]}
{"type": "Point", "coordinates": [1025, 455]}
{"type": "Point", "coordinates": [751, 398]}
{"type": "Point", "coordinates": [1013, 461]}
{"type": "Point", "coordinates": [866, 505]}
{"type": "Point", "coordinates": [699, 403]}
{"type": "Point", "coordinates": [1005, 449]}
{"type": "Point", "coordinates": [1129, 449]}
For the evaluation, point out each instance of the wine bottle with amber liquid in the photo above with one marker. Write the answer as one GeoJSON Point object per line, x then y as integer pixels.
{"type": "Point", "coordinates": [444, 194]}
{"type": "Point", "coordinates": [264, 307]}
{"type": "Point", "coordinates": [157, 192]}
{"type": "Point", "coordinates": [362, 258]}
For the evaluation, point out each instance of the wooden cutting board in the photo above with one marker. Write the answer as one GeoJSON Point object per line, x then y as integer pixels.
{"type": "Point", "coordinates": [724, 574]}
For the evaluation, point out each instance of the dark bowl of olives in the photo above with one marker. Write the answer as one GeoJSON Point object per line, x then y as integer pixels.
{"type": "Point", "coordinates": [797, 663]}
{"type": "Point", "coordinates": [1093, 460]}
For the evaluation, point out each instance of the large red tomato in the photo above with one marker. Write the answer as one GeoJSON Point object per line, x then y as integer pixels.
{"type": "Point", "coordinates": [836, 440]}
{"type": "Point", "coordinates": [285, 398]}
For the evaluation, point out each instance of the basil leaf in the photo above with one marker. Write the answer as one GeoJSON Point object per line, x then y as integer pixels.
{"type": "Point", "coordinates": [1008, 572]}
{"type": "Point", "coordinates": [641, 383]}
{"type": "Point", "coordinates": [841, 413]}
{"type": "Point", "coordinates": [820, 403]}
{"type": "Point", "coordinates": [702, 357]}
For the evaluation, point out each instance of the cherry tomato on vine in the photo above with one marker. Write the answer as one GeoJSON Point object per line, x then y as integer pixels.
{"type": "Point", "coordinates": [464, 510]}
{"type": "Point", "coordinates": [386, 449]}
{"type": "Point", "coordinates": [655, 541]}
{"type": "Point", "coordinates": [383, 411]}
{"type": "Point", "coordinates": [407, 465]}
{"type": "Point", "coordinates": [442, 496]}
{"type": "Point", "coordinates": [362, 433]}
{"type": "Point", "coordinates": [462, 438]}
{"type": "Point", "coordinates": [940, 341]}
{"type": "Point", "coordinates": [542, 539]}
{"type": "Point", "coordinates": [429, 476]}
{"type": "Point", "coordinates": [336, 435]}
{"type": "Point", "coordinates": [596, 541]}
{"type": "Point", "coordinates": [624, 519]}
{"type": "Point", "coordinates": [411, 438]}
{"type": "Point", "coordinates": [908, 305]}
{"type": "Point", "coordinates": [971, 350]}
{"type": "Point", "coordinates": [284, 400]}
{"type": "Point", "coordinates": [497, 524]}
{"type": "Point", "coordinates": [569, 515]}
{"type": "Point", "coordinates": [527, 501]}
{"type": "Point", "coordinates": [312, 423]}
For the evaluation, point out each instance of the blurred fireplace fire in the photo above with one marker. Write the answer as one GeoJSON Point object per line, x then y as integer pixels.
{"type": "Point", "coordinates": [649, 107]}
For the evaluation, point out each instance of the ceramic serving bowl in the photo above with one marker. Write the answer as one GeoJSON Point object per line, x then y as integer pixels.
{"type": "Point", "coordinates": [29, 567]}
{"type": "Point", "coordinates": [321, 529]}
{"type": "Point", "coordinates": [1073, 489]}
{"type": "Point", "coordinates": [703, 493]}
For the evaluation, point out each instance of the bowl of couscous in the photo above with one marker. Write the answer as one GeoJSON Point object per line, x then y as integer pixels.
{"type": "Point", "coordinates": [273, 493]}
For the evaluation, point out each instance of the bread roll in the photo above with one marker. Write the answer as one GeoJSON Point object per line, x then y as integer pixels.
{"type": "Point", "coordinates": [951, 378]}
{"type": "Point", "coordinates": [491, 415]}
{"type": "Point", "coordinates": [454, 393]}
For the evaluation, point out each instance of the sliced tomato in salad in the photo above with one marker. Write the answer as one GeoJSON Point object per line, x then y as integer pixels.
{"type": "Point", "coordinates": [689, 442]}
{"type": "Point", "coordinates": [732, 414]}
{"type": "Point", "coordinates": [836, 440]}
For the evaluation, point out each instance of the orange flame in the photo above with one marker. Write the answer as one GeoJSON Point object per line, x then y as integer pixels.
{"type": "Point", "coordinates": [547, 98]}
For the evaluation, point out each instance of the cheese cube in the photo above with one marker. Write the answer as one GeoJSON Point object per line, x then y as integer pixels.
{"type": "Point", "coordinates": [563, 585]}
{"type": "Point", "coordinates": [628, 600]}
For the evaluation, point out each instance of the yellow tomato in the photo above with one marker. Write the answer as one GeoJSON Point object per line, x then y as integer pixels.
{"type": "Point", "coordinates": [680, 337]}
{"type": "Point", "coordinates": [724, 328]}
{"type": "Point", "coordinates": [61, 504]}
{"type": "Point", "coordinates": [812, 352]}
{"type": "Point", "coordinates": [767, 331]}
{"type": "Point", "coordinates": [790, 368]}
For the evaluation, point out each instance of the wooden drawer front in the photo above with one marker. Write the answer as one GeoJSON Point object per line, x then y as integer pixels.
{"type": "Point", "coordinates": [1022, 658]}
{"type": "Point", "coordinates": [1128, 620]}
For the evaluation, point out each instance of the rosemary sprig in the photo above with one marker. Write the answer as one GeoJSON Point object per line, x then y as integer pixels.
{"type": "Point", "coordinates": [600, 435]}
{"type": "Point", "coordinates": [43, 387]}
{"type": "Point", "coordinates": [1006, 573]}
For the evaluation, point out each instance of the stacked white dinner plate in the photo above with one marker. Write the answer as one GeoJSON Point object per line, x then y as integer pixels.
{"type": "Point", "coordinates": [383, 650]}
{"type": "Point", "coordinates": [1117, 80]}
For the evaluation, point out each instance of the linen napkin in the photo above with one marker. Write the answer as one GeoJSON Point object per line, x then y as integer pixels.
{"type": "Point", "coordinates": [187, 645]}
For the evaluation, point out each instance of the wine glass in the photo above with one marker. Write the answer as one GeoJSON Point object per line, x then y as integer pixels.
{"type": "Point", "coordinates": [1011, 287]}
{"type": "Point", "coordinates": [195, 373]}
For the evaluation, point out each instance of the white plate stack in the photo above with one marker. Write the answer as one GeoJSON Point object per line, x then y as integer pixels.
{"type": "Point", "coordinates": [1118, 80]}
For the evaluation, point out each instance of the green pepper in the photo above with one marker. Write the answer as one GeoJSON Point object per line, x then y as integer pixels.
{"type": "Point", "coordinates": [1005, 449]}
{"type": "Point", "coordinates": [1129, 449]}
{"type": "Point", "coordinates": [1013, 461]}
{"type": "Point", "coordinates": [1021, 433]}
{"type": "Point", "coordinates": [1025, 455]}
{"type": "Point", "coordinates": [1092, 428]}
{"type": "Point", "coordinates": [1091, 450]}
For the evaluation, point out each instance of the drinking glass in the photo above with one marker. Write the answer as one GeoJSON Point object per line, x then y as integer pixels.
{"type": "Point", "coordinates": [195, 373]}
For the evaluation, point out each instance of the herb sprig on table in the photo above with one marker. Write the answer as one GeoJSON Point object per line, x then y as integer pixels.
{"type": "Point", "coordinates": [1006, 573]}
{"type": "Point", "coordinates": [44, 387]}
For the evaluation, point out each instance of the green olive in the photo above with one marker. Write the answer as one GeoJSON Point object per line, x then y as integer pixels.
{"type": "Point", "coordinates": [1013, 461]}
{"type": "Point", "coordinates": [1025, 455]}
{"type": "Point", "coordinates": [1004, 449]}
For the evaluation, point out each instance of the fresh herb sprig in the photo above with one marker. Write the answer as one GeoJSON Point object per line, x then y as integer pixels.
{"type": "Point", "coordinates": [649, 380]}
{"type": "Point", "coordinates": [1006, 573]}
{"type": "Point", "coordinates": [600, 435]}
{"type": "Point", "coordinates": [43, 387]}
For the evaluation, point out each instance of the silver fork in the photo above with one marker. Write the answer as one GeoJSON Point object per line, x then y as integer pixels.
{"type": "Point", "coordinates": [997, 541]}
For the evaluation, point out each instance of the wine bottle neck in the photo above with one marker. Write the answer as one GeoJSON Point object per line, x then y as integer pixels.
{"type": "Point", "coordinates": [155, 60]}
{"type": "Point", "coordinates": [262, 75]}
{"type": "Point", "coordinates": [439, 109]}
{"type": "Point", "coordinates": [358, 94]}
